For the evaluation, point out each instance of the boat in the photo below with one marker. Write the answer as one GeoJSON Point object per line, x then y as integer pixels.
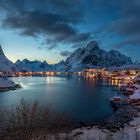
{"type": "Point", "coordinates": [118, 102]}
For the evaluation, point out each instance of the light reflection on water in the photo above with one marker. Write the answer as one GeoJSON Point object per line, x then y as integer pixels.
{"type": "Point", "coordinates": [80, 99]}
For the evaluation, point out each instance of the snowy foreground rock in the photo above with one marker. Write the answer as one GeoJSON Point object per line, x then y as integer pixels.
{"type": "Point", "coordinates": [6, 83]}
{"type": "Point", "coordinates": [87, 133]}
{"type": "Point", "coordinates": [129, 132]}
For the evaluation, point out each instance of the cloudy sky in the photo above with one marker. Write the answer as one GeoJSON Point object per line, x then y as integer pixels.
{"type": "Point", "coordinates": [51, 29]}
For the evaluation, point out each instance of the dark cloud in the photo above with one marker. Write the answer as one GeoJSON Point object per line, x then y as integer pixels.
{"type": "Point", "coordinates": [127, 42]}
{"type": "Point", "coordinates": [126, 25]}
{"type": "Point", "coordinates": [57, 20]}
{"type": "Point", "coordinates": [64, 3]}
{"type": "Point", "coordinates": [35, 18]}
{"type": "Point", "coordinates": [65, 53]}
{"type": "Point", "coordinates": [73, 9]}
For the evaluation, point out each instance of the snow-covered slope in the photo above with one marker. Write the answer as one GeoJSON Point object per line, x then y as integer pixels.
{"type": "Point", "coordinates": [92, 55]}
{"type": "Point", "coordinates": [5, 64]}
{"type": "Point", "coordinates": [6, 83]}
{"type": "Point", "coordinates": [59, 66]}
{"type": "Point", "coordinates": [127, 67]}
{"type": "Point", "coordinates": [27, 65]}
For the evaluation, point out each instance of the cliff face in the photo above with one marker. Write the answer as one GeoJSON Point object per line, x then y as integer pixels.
{"type": "Point", "coordinates": [5, 64]}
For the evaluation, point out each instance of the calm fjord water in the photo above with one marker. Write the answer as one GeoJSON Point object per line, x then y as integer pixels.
{"type": "Point", "coordinates": [79, 99]}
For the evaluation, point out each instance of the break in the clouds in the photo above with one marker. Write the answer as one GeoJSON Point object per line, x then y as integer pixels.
{"type": "Point", "coordinates": [46, 18]}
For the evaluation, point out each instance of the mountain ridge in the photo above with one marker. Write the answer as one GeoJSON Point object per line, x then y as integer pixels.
{"type": "Point", "coordinates": [85, 57]}
{"type": "Point", "coordinates": [36, 65]}
{"type": "Point", "coordinates": [92, 55]}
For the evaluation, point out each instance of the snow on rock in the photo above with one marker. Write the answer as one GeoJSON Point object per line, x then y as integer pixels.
{"type": "Point", "coordinates": [92, 55]}
{"type": "Point", "coordinates": [127, 67]}
{"type": "Point", "coordinates": [87, 134]}
{"type": "Point", "coordinates": [59, 66]}
{"type": "Point", "coordinates": [93, 133]}
{"type": "Point", "coordinates": [5, 64]}
{"type": "Point", "coordinates": [6, 83]}
{"type": "Point", "coordinates": [128, 133]}
{"type": "Point", "coordinates": [27, 65]}
{"type": "Point", "coordinates": [37, 66]}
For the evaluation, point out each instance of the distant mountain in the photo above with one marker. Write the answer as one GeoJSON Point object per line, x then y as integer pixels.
{"type": "Point", "coordinates": [93, 56]}
{"type": "Point", "coordinates": [5, 64]}
{"type": "Point", "coordinates": [27, 65]}
{"type": "Point", "coordinates": [58, 66]}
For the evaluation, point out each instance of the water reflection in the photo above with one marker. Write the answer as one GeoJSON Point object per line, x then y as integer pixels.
{"type": "Point", "coordinates": [81, 99]}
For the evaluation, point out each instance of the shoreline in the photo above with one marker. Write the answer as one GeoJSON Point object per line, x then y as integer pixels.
{"type": "Point", "coordinates": [126, 119]}
{"type": "Point", "coordinates": [7, 84]}
{"type": "Point", "coordinates": [17, 86]}
{"type": "Point", "coordinates": [130, 131]}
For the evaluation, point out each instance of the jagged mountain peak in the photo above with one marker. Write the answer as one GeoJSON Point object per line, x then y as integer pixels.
{"type": "Point", "coordinates": [92, 45]}
{"type": "Point", "coordinates": [1, 51]}
{"type": "Point", "coordinates": [61, 62]}
{"type": "Point", "coordinates": [92, 55]}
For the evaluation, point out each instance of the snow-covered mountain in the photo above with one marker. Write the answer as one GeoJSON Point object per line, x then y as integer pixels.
{"type": "Point", "coordinates": [27, 65]}
{"type": "Point", "coordinates": [93, 56]}
{"type": "Point", "coordinates": [58, 66]}
{"type": "Point", "coordinates": [86, 57]}
{"type": "Point", "coordinates": [5, 64]}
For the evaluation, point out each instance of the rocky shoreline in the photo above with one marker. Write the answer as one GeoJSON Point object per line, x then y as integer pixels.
{"type": "Point", "coordinates": [123, 125]}
{"type": "Point", "coordinates": [122, 117]}
{"type": "Point", "coordinates": [17, 86]}
{"type": "Point", "coordinates": [6, 84]}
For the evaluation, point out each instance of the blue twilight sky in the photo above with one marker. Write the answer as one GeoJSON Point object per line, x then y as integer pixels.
{"type": "Point", "coordinates": [51, 29]}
